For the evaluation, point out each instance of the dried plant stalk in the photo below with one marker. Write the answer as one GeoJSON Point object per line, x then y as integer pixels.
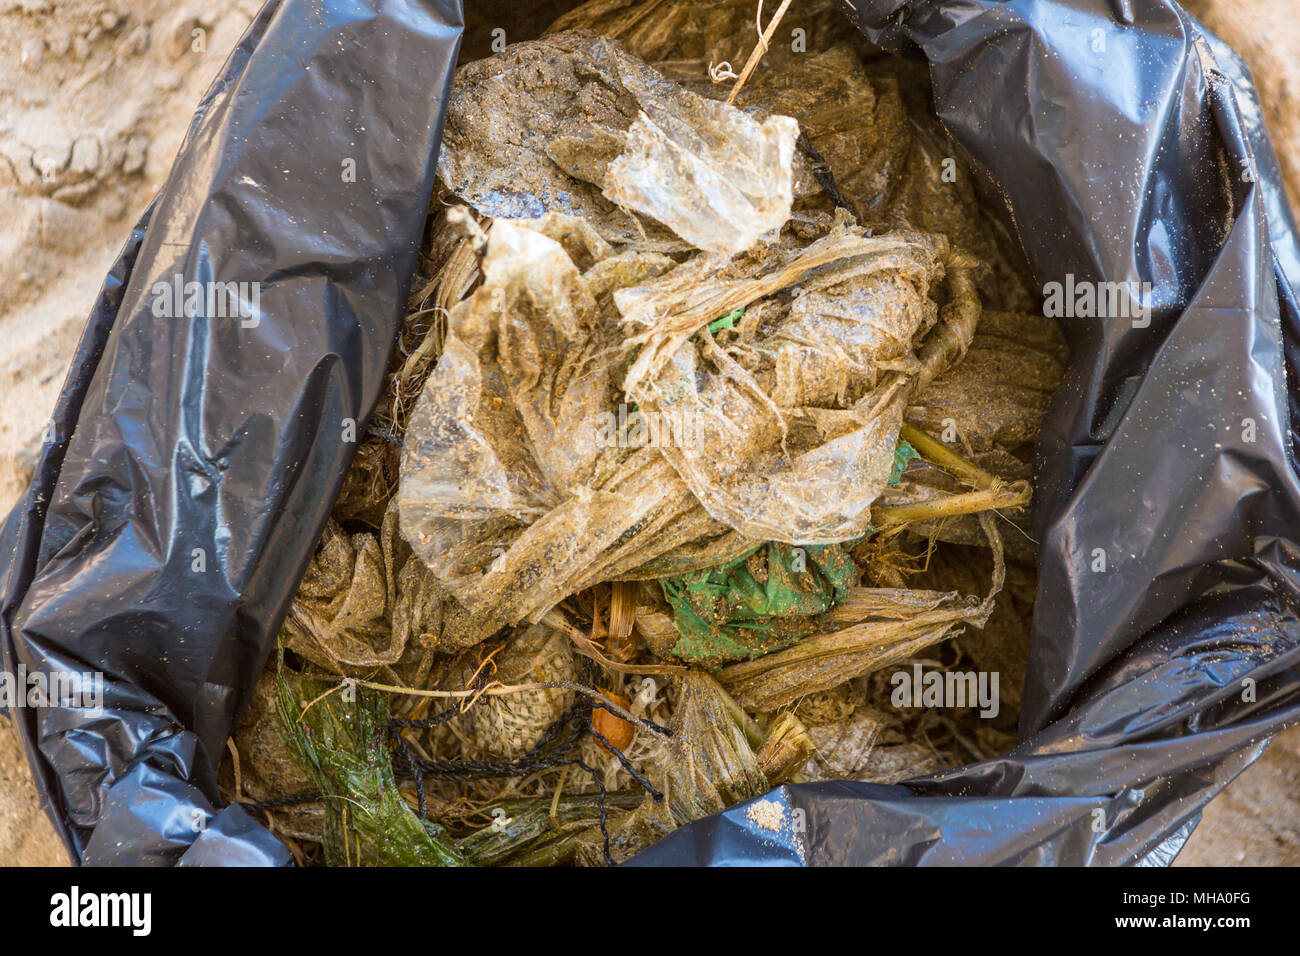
{"type": "Point", "coordinates": [620, 644]}
{"type": "Point", "coordinates": [826, 660]}
{"type": "Point", "coordinates": [785, 750]}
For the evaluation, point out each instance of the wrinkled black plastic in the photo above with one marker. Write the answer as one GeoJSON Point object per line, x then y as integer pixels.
{"type": "Point", "coordinates": [1146, 160]}
{"type": "Point", "coordinates": [192, 463]}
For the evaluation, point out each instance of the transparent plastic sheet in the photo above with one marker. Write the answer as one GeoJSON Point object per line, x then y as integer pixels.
{"type": "Point", "coordinates": [515, 495]}
{"type": "Point", "coordinates": [575, 125]}
{"type": "Point", "coordinates": [783, 428]}
{"type": "Point", "coordinates": [1133, 714]}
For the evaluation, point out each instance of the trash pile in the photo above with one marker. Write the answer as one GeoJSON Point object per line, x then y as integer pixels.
{"type": "Point", "coordinates": [712, 414]}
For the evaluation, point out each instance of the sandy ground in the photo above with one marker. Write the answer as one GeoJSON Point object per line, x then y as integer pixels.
{"type": "Point", "coordinates": [94, 101]}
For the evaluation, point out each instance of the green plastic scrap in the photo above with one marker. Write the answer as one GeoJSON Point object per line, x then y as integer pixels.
{"type": "Point", "coordinates": [340, 739]}
{"type": "Point", "coordinates": [903, 456]}
{"type": "Point", "coordinates": [765, 600]}
{"type": "Point", "coordinates": [726, 322]}
{"type": "Point", "coordinates": [758, 603]}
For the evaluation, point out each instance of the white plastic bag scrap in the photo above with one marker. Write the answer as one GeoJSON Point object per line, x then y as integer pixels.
{"type": "Point", "coordinates": [573, 124]}
{"type": "Point", "coordinates": [720, 195]}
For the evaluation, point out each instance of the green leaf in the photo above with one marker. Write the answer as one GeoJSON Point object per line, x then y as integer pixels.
{"type": "Point", "coordinates": [726, 322]}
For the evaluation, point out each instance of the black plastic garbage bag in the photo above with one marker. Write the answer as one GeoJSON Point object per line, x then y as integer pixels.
{"type": "Point", "coordinates": [1125, 144]}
